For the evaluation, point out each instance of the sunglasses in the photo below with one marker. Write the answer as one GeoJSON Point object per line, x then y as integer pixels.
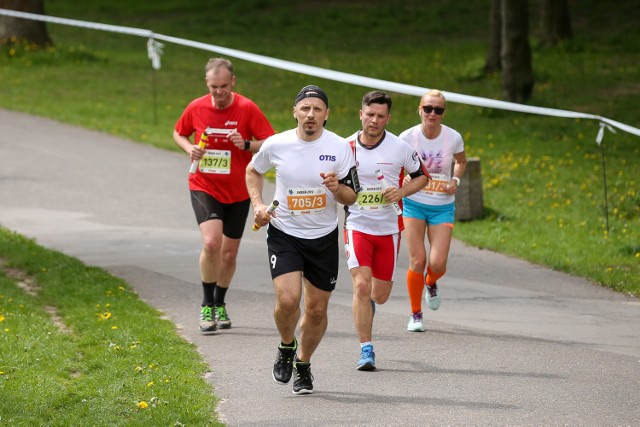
{"type": "Point", "coordinates": [429, 108]}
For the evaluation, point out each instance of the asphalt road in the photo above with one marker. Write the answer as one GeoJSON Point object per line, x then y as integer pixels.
{"type": "Point", "coordinates": [512, 344]}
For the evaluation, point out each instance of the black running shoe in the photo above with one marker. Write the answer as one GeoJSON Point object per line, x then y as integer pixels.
{"type": "Point", "coordinates": [303, 382]}
{"type": "Point", "coordinates": [283, 366]}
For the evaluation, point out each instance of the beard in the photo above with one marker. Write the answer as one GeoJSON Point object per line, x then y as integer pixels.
{"type": "Point", "coordinates": [310, 128]}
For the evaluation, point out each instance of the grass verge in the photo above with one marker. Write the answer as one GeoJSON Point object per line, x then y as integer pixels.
{"type": "Point", "coordinates": [80, 348]}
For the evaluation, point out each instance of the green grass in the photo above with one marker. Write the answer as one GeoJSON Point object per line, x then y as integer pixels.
{"type": "Point", "coordinates": [542, 176]}
{"type": "Point", "coordinates": [80, 348]}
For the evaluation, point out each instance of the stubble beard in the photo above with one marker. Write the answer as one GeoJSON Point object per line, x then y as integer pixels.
{"type": "Point", "coordinates": [310, 129]}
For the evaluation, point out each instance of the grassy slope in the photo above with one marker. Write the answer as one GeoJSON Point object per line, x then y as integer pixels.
{"type": "Point", "coordinates": [80, 348]}
{"type": "Point", "coordinates": [542, 176]}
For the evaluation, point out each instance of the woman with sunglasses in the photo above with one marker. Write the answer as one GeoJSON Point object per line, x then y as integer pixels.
{"type": "Point", "coordinates": [431, 211]}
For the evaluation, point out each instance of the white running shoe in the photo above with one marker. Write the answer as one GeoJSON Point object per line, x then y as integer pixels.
{"type": "Point", "coordinates": [432, 296]}
{"type": "Point", "coordinates": [415, 323]}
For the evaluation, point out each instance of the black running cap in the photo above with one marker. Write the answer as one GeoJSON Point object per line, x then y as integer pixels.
{"type": "Point", "coordinates": [312, 91]}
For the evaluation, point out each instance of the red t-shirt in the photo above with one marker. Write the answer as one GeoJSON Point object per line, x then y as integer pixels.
{"type": "Point", "coordinates": [217, 176]}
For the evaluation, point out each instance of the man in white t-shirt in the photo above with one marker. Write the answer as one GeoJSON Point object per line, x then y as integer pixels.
{"type": "Point", "coordinates": [315, 170]}
{"type": "Point", "coordinates": [373, 224]}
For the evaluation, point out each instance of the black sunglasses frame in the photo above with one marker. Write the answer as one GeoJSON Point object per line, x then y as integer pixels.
{"type": "Point", "coordinates": [429, 108]}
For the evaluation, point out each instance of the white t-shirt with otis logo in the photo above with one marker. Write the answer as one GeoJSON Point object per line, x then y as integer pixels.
{"type": "Point", "coordinates": [307, 209]}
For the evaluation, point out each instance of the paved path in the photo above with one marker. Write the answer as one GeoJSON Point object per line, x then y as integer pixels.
{"type": "Point", "coordinates": [512, 344]}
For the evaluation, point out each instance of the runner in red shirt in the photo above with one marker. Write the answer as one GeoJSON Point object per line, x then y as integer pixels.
{"type": "Point", "coordinates": [233, 128]}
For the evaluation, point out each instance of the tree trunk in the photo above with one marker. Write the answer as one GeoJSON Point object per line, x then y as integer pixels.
{"type": "Point", "coordinates": [495, 33]}
{"type": "Point", "coordinates": [517, 72]}
{"type": "Point", "coordinates": [17, 30]}
{"type": "Point", "coordinates": [555, 21]}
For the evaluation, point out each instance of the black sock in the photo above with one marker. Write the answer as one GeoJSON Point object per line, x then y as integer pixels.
{"type": "Point", "coordinates": [207, 289]}
{"type": "Point", "coordinates": [218, 295]}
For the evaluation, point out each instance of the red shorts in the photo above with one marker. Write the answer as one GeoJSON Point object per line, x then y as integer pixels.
{"type": "Point", "coordinates": [380, 253]}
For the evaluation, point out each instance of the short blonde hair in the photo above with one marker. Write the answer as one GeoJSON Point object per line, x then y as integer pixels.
{"type": "Point", "coordinates": [436, 94]}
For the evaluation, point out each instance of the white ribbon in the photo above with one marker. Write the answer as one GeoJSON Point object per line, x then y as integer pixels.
{"type": "Point", "coordinates": [154, 50]}
{"type": "Point", "coordinates": [600, 135]}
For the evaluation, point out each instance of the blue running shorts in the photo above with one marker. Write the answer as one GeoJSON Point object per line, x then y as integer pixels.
{"type": "Point", "coordinates": [431, 214]}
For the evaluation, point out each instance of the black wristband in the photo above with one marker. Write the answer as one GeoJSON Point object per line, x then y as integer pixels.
{"type": "Point", "coordinates": [247, 144]}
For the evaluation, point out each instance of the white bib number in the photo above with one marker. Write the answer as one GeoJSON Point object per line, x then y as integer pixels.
{"type": "Point", "coordinates": [301, 201]}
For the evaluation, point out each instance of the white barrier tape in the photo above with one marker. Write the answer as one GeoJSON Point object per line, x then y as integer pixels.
{"type": "Point", "coordinates": [75, 23]}
{"type": "Point", "coordinates": [322, 72]}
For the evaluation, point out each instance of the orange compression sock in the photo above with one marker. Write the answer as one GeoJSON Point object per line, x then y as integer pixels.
{"type": "Point", "coordinates": [431, 278]}
{"type": "Point", "coordinates": [415, 286]}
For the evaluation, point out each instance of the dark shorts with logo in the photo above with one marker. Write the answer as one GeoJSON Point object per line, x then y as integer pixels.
{"type": "Point", "coordinates": [232, 215]}
{"type": "Point", "coordinates": [318, 259]}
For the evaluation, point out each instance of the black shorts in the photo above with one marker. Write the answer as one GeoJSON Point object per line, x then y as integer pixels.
{"type": "Point", "coordinates": [318, 259]}
{"type": "Point", "coordinates": [232, 215]}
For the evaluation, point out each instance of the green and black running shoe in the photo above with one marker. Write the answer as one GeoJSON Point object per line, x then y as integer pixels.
{"type": "Point", "coordinates": [303, 382]}
{"type": "Point", "coordinates": [283, 366]}
{"type": "Point", "coordinates": [222, 317]}
{"type": "Point", "coordinates": [207, 319]}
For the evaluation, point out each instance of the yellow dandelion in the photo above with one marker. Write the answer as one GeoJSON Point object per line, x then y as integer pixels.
{"type": "Point", "coordinates": [150, 384]}
{"type": "Point", "coordinates": [104, 316]}
{"type": "Point", "coordinates": [121, 288]}
{"type": "Point", "coordinates": [138, 369]}
{"type": "Point", "coordinates": [2, 318]}
{"type": "Point", "coordinates": [142, 405]}
{"type": "Point", "coordinates": [114, 327]}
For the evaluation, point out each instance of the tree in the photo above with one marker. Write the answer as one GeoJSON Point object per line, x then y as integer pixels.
{"type": "Point", "coordinates": [19, 29]}
{"type": "Point", "coordinates": [495, 34]}
{"type": "Point", "coordinates": [555, 21]}
{"type": "Point", "coordinates": [517, 72]}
